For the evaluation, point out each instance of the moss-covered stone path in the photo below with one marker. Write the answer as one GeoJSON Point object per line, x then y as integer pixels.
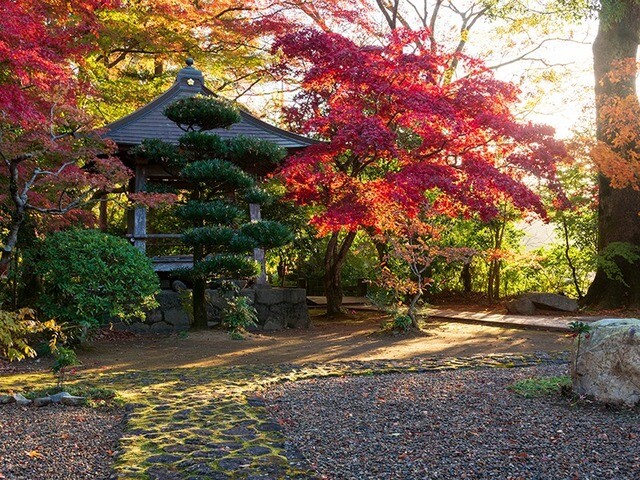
{"type": "Point", "coordinates": [210, 423]}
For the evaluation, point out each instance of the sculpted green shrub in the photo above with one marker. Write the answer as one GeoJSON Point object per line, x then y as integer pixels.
{"type": "Point", "coordinates": [90, 278]}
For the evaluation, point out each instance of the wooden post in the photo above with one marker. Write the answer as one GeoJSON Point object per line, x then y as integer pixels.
{"type": "Point", "coordinates": [258, 253]}
{"type": "Point", "coordinates": [140, 213]}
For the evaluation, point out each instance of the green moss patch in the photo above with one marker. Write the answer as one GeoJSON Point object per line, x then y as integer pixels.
{"type": "Point", "coordinates": [542, 386]}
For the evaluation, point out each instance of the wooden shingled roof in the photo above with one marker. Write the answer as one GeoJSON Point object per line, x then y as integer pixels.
{"type": "Point", "coordinates": [150, 122]}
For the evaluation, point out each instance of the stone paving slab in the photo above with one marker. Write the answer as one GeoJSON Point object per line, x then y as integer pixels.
{"type": "Point", "coordinates": [553, 323]}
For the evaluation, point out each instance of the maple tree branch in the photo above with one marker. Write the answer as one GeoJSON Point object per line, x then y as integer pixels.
{"type": "Point", "coordinates": [534, 49]}
{"type": "Point", "coordinates": [79, 201]}
{"type": "Point", "coordinates": [231, 9]}
{"type": "Point", "coordinates": [38, 172]}
{"type": "Point", "coordinates": [423, 16]}
{"type": "Point", "coordinates": [387, 16]}
{"type": "Point", "coordinates": [432, 23]}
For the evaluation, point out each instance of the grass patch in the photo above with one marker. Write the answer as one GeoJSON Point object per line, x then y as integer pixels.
{"type": "Point", "coordinates": [542, 386]}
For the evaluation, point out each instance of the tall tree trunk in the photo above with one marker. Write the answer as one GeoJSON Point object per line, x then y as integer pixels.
{"type": "Point", "coordinates": [618, 221]}
{"type": "Point", "coordinates": [466, 277]}
{"type": "Point", "coordinates": [498, 228]}
{"type": "Point", "coordinates": [567, 256]}
{"type": "Point", "coordinates": [18, 216]}
{"type": "Point", "coordinates": [199, 293]}
{"type": "Point", "coordinates": [334, 258]}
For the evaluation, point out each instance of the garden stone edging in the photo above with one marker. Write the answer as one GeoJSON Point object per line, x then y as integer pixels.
{"type": "Point", "coordinates": [277, 309]}
{"type": "Point", "coordinates": [63, 397]}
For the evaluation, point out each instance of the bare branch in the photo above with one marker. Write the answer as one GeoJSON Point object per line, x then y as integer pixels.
{"type": "Point", "coordinates": [534, 49]}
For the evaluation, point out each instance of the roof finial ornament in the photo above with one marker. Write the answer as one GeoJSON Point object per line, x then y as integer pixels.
{"type": "Point", "coordinates": [190, 76]}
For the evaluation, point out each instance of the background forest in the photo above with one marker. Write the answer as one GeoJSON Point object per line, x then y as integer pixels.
{"type": "Point", "coordinates": [435, 166]}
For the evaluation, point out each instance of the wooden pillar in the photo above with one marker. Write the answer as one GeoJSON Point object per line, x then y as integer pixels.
{"type": "Point", "coordinates": [258, 253]}
{"type": "Point", "coordinates": [140, 213]}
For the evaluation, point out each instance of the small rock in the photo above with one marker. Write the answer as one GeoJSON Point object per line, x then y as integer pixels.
{"type": "Point", "coordinates": [57, 398]}
{"type": "Point", "coordinates": [258, 450]}
{"type": "Point", "coordinates": [271, 326]}
{"type": "Point", "coordinates": [178, 286]}
{"type": "Point", "coordinates": [521, 306]}
{"type": "Point", "coordinates": [4, 399]}
{"type": "Point", "coordinates": [73, 401]}
{"type": "Point", "coordinates": [42, 402]}
{"type": "Point", "coordinates": [21, 400]}
{"type": "Point", "coordinates": [163, 459]}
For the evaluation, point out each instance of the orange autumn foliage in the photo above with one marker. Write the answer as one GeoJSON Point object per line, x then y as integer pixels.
{"type": "Point", "coordinates": [618, 158]}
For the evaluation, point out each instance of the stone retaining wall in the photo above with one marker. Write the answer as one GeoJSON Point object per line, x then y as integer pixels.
{"type": "Point", "coordinates": [277, 308]}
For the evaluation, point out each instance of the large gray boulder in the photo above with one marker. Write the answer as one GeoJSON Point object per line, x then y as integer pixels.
{"type": "Point", "coordinates": [553, 301]}
{"type": "Point", "coordinates": [528, 303]}
{"type": "Point", "coordinates": [607, 367]}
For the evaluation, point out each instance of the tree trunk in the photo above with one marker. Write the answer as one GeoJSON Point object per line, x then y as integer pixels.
{"type": "Point", "coordinates": [498, 228]}
{"type": "Point", "coordinates": [18, 217]}
{"type": "Point", "coordinates": [199, 292]}
{"type": "Point", "coordinates": [11, 240]}
{"type": "Point", "coordinates": [618, 221]}
{"type": "Point", "coordinates": [413, 307]}
{"type": "Point", "coordinates": [466, 277]}
{"type": "Point", "coordinates": [334, 259]}
{"type": "Point", "coordinates": [567, 256]}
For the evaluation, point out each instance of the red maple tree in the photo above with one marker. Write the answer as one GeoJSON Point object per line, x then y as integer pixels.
{"type": "Point", "coordinates": [395, 126]}
{"type": "Point", "coordinates": [51, 167]}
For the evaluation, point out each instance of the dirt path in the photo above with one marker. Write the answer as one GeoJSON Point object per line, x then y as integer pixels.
{"type": "Point", "coordinates": [355, 338]}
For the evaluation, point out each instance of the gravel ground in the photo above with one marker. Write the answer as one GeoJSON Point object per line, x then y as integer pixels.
{"type": "Point", "coordinates": [461, 424]}
{"type": "Point", "coordinates": [61, 442]}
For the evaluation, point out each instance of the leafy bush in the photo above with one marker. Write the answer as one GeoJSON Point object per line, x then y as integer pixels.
{"type": "Point", "coordinates": [239, 315]}
{"type": "Point", "coordinates": [614, 254]}
{"type": "Point", "coordinates": [18, 328]}
{"type": "Point", "coordinates": [65, 357]}
{"type": "Point", "coordinates": [402, 323]}
{"type": "Point", "coordinates": [90, 278]}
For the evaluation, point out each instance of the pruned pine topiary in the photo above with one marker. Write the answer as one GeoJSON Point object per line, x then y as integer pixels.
{"type": "Point", "coordinates": [249, 151]}
{"type": "Point", "coordinates": [159, 152]}
{"type": "Point", "coordinates": [220, 242]}
{"type": "Point", "coordinates": [216, 212]}
{"type": "Point", "coordinates": [267, 234]}
{"type": "Point", "coordinates": [199, 145]}
{"type": "Point", "coordinates": [225, 266]}
{"type": "Point", "coordinates": [217, 175]}
{"type": "Point", "coordinates": [202, 113]}
{"type": "Point", "coordinates": [258, 196]}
